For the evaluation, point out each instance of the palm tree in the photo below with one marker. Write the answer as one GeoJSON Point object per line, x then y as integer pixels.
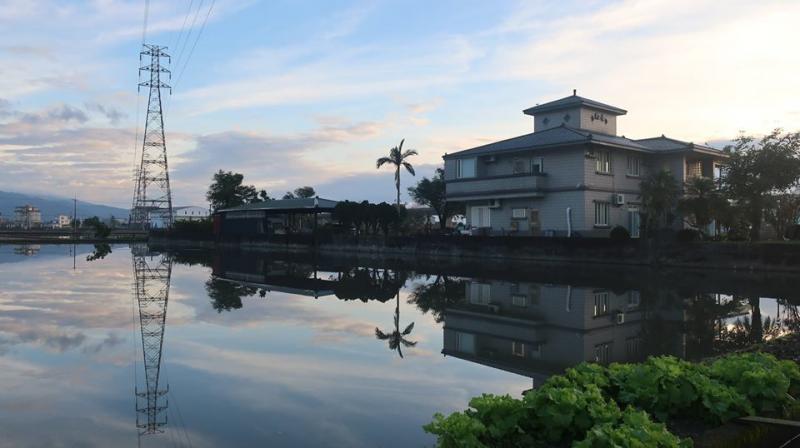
{"type": "Point", "coordinates": [398, 158]}
{"type": "Point", "coordinates": [397, 338]}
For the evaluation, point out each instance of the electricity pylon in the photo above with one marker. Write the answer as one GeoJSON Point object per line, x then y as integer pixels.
{"type": "Point", "coordinates": [152, 196]}
{"type": "Point", "coordinates": [152, 273]}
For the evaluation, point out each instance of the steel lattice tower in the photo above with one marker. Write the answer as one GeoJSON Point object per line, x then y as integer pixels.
{"type": "Point", "coordinates": [152, 196]}
{"type": "Point", "coordinates": [152, 273]}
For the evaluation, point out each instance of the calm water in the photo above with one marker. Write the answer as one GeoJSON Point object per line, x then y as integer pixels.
{"type": "Point", "coordinates": [233, 350]}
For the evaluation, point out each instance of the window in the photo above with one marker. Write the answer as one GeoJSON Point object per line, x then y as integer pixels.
{"type": "Point", "coordinates": [518, 349]}
{"type": "Point", "coordinates": [634, 222]}
{"type": "Point", "coordinates": [601, 212]}
{"type": "Point", "coordinates": [520, 166]}
{"type": "Point", "coordinates": [519, 213]}
{"type": "Point", "coordinates": [602, 353]}
{"type": "Point", "coordinates": [535, 291]}
{"type": "Point", "coordinates": [534, 221]}
{"type": "Point", "coordinates": [480, 216]}
{"type": "Point", "coordinates": [465, 342]}
{"type": "Point", "coordinates": [634, 299]}
{"type": "Point", "coordinates": [603, 162]}
{"type": "Point", "coordinates": [465, 168]}
{"type": "Point", "coordinates": [519, 300]}
{"type": "Point", "coordinates": [600, 303]}
{"type": "Point", "coordinates": [537, 165]}
{"type": "Point", "coordinates": [633, 348]}
{"type": "Point", "coordinates": [480, 293]}
{"type": "Point", "coordinates": [634, 166]}
{"type": "Point", "coordinates": [694, 168]}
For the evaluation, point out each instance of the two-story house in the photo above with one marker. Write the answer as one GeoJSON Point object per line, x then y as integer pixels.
{"type": "Point", "coordinates": [572, 176]}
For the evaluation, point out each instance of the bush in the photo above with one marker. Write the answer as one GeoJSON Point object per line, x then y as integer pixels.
{"type": "Point", "coordinates": [687, 236]}
{"type": "Point", "coordinates": [636, 430]}
{"type": "Point", "coordinates": [793, 232]}
{"type": "Point", "coordinates": [764, 380]}
{"type": "Point", "coordinates": [619, 233]}
{"type": "Point", "coordinates": [582, 406]}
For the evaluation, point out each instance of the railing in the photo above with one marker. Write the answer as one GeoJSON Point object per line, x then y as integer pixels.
{"type": "Point", "coordinates": [497, 185]}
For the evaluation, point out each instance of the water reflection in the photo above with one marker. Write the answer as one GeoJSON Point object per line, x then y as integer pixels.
{"type": "Point", "coordinates": [151, 273]}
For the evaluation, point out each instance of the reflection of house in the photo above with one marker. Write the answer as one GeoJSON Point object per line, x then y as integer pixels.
{"type": "Point", "coordinates": [277, 276]}
{"type": "Point", "coordinates": [278, 217]}
{"type": "Point", "coordinates": [539, 329]}
{"type": "Point", "coordinates": [573, 174]}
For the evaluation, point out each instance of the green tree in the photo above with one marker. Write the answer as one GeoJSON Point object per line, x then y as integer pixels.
{"type": "Point", "coordinates": [431, 192]}
{"type": "Point", "coordinates": [659, 193]}
{"type": "Point", "coordinates": [227, 191]}
{"type": "Point", "coordinates": [398, 158]}
{"type": "Point", "coordinates": [703, 203]}
{"type": "Point", "coordinates": [101, 230]}
{"type": "Point", "coordinates": [760, 169]}
{"type": "Point", "coordinates": [782, 212]}
{"type": "Point", "coordinates": [305, 192]}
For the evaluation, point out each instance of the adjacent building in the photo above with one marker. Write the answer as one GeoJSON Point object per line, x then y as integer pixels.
{"type": "Point", "coordinates": [189, 213]}
{"type": "Point", "coordinates": [27, 217]}
{"type": "Point", "coordinates": [573, 175]}
{"type": "Point", "coordinates": [300, 216]}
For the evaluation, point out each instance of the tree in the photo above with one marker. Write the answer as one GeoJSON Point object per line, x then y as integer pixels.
{"type": "Point", "coordinates": [397, 338]}
{"type": "Point", "coordinates": [305, 192]}
{"type": "Point", "coordinates": [101, 230]}
{"type": "Point", "coordinates": [703, 203]}
{"type": "Point", "coordinates": [431, 192]}
{"type": "Point", "coordinates": [398, 158]}
{"type": "Point", "coordinates": [659, 192]}
{"type": "Point", "coordinates": [227, 191]}
{"type": "Point", "coordinates": [782, 212]}
{"type": "Point", "coordinates": [759, 169]}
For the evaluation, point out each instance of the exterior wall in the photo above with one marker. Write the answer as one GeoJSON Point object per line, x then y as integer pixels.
{"type": "Point", "coordinates": [569, 117]}
{"type": "Point", "coordinates": [190, 214]}
{"type": "Point", "coordinates": [598, 121]}
{"type": "Point", "coordinates": [618, 181]}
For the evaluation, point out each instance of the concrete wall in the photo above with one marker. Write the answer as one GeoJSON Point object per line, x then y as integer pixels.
{"type": "Point", "coordinates": [598, 121]}
{"type": "Point", "coordinates": [569, 117]}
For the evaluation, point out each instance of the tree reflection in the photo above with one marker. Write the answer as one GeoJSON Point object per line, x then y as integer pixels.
{"type": "Point", "coordinates": [101, 250]}
{"type": "Point", "coordinates": [226, 295]}
{"type": "Point", "coordinates": [397, 339]}
{"type": "Point", "coordinates": [437, 296]}
{"type": "Point", "coordinates": [367, 284]}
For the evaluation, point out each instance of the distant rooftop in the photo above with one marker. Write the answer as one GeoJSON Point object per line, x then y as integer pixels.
{"type": "Point", "coordinates": [573, 101]}
{"type": "Point", "coordinates": [287, 205]}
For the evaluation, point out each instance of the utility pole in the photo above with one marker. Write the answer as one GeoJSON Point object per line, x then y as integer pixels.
{"type": "Point", "coordinates": [152, 196]}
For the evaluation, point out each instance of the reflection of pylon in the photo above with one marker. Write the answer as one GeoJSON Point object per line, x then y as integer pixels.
{"type": "Point", "coordinates": [152, 274]}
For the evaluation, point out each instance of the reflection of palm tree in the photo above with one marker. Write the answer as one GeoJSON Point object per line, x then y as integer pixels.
{"type": "Point", "coordinates": [397, 338]}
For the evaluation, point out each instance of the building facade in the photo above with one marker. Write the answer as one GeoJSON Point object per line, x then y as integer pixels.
{"type": "Point", "coordinates": [573, 176]}
{"type": "Point", "coordinates": [189, 213]}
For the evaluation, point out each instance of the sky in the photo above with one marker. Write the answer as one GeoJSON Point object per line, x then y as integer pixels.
{"type": "Point", "coordinates": [311, 93]}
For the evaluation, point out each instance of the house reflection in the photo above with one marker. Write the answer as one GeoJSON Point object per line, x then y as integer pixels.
{"type": "Point", "coordinates": [538, 330]}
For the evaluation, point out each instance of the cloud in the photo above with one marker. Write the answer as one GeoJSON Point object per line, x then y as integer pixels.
{"type": "Point", "coordinates": [113, 114]}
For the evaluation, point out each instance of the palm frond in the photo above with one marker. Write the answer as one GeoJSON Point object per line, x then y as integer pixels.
{"type": "Point", "coordinates": [381, 335]}
{"type": "Point", "coordinates": [408, 343]}
{"type": "Point", "coordinates": [401, 144]}
{"type": "Point", "coordinates": [409, 153]}
{"type": "Point", "coordinates": [410, 168]}
{"type": "Point", "coordinates": [382, 161]}
{"type": "Point", "coordinates": [408, 329]}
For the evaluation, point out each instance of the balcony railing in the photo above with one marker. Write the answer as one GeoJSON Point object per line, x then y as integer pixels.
{"type": "Point", "coordinates": [496, 187]}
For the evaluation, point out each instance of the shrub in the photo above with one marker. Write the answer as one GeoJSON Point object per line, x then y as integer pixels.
{"type": "Point", "coordinates": [636, 430]}
{"type": "Point", "coordinates": [793, 232]}
{"type": "Point", "coordinates": [763, 379]}
{"type": "Point", "coordinates": [687, 236]}
{"type": "Point", "coordinates": [665, 387]}
{"type": "Point", "coordinates": [567, 412]}
{"type": "Point", "coordinates": [619, 233]}
{"type": "Point", "coordinates": [457, 430]}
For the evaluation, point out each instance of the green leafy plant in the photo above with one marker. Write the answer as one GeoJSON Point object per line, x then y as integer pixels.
{"type": "Point", "coordinates": [457, 430]}
{"type": "Point", "coordinates": [763, 379]}
{"type": "Point", "coordinates": [567, 412]}
{"type": "Point", "coordinates": [634, 431]}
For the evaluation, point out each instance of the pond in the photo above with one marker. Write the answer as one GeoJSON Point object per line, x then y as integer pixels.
{"type": "Point", "coordinates": [121, 345]}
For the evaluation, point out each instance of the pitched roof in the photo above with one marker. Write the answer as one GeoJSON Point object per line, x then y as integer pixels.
{"type": "Point", "coordinates": [287, 205]}
{"type": "Point", "coordinates": [558, 136]}
{"type": "Point", "coordinates": [666, 144]}
{"type": "Point", "coordinates": [573, 101]}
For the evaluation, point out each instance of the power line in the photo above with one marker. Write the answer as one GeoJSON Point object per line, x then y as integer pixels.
{"type": "Point", "coordinates": [183, 26]}
{"type": "Point", "coordinates": [188, 34]}
{"type": "Point", "coordinates": [200, 33]}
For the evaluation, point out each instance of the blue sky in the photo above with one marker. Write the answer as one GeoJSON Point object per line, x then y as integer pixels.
{"type": "Point", "coordinates": [311, 93]}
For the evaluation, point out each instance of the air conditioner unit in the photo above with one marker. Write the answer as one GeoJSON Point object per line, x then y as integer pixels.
{"type": "Point", "coordinates": [619, 199]}
{"type": "Point", "coordinates": [620, 318]}
{"type": "Point", "coordinates": [494, 203]}
{"type": "Point", "coordinates": [494, 308]}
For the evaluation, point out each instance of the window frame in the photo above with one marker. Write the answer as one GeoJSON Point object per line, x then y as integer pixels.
{"type": "Point", "coordinates": [604, 307]}
{"type": "Point", "coordinates": [524, 214]}
{"type": "Point", "coordinates": [603, 162]}
{"type": "Point", "coordinates": [538, 162]}
{"type": "Point", "coordinates": [602, 209]}
{"type": "Point", "coordinates": [460, 168]}
{"type": "Point", "coordinates": [634, 162]}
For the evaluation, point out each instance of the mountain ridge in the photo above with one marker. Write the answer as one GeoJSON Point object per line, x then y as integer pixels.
{"type": "Point", "coordinates": [52, 206]}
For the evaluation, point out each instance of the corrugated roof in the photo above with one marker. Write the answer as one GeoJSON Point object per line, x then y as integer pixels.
{"type": "Point", "coordinates": [287, 204]}
{"type": "Point", "coordinates": [573, 101]}
{"type": "Point", "coordinates": [558, 136]}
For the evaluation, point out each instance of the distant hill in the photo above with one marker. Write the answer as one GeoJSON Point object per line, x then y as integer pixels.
{"type": "Point", "coordinates": [54, 206]}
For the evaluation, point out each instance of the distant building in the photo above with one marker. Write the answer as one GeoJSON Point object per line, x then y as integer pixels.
{"type": "Point", "coordinates": [189, 213]}
{"type": "Point", "coordinates": [63, 221]}
{"type": "Point", "coordinates": [299, 216]}
{"type": "Point", "coordinates": [27, 217]}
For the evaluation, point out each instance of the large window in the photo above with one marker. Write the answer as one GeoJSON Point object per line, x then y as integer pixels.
{"type": "Point", "coordinates": [634, 222]}
{"type": "Point", "coordinates": [603, 162]}
{"type": "Point", "coordinates": [480, 216]}
{"type": "Point", "coordinates": [480, 293]}
{"type": "Point", "coordinates": [520, 166]}
{"type": "Point", "coordinates": [634, 166]}
{"type": "Point", "coordinates": [465, 168]}
{"type": "Point", "coordinates": [601, 212]}
{"type": "Point", "coordinates": [537, 165]}
{"type": "Point", "coordinates": [519, 213]}
{"type": "Point", "coordinates": [518, 349]}
{"type": "Point", "coordinates": [602, 353]}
